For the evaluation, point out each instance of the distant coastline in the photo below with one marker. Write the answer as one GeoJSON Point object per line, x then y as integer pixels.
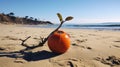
{"type": "Point", "coordinates": [11, 19]}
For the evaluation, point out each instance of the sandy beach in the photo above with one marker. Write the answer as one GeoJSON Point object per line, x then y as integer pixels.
{"type": "Point", "coordinates": [89, 48]}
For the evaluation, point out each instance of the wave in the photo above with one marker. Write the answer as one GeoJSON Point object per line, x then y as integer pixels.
{"type": "Point", "coordinates": [93, 25]}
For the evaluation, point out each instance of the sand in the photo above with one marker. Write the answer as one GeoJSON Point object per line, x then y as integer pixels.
{"type": "Point", "coordinates": [89, 48]}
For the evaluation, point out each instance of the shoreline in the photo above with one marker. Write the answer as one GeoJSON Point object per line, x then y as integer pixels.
{"type": "Point", "coordinates": [67, 27]}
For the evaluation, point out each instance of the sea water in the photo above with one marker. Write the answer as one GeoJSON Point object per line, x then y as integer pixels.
{"type": "Point", "coordinates": [99, 26]}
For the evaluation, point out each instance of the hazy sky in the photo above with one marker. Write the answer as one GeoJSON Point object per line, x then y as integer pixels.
{"type": "Point", "coordinates": [83, 11]}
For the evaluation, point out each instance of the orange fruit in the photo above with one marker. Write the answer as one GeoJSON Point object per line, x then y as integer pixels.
{"type": "Point", "coordinates": [59, 42]}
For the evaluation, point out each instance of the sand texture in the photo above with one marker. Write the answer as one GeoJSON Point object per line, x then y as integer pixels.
{"type": "Point", "coordinates": [89, 48]}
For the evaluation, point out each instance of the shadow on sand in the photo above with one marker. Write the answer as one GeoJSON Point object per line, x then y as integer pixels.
{"type": "Point", "coordinates": [29, 56]}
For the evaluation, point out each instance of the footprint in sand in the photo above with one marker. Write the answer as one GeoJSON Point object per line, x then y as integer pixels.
{"type": "Point", "coordinates": [80, 41]}
{"type": "Point", "coordinates": [110, 60]}
{"type": "Point", "coordinates": [2, 48]}
{"type": "Point", "coordinates": [92, 34]}
{"type": "Point", "coordinates": [72, 62]}
{"type": "Point", "coordinates": [116, 46]}
{"type": "Point", "coordinates": [11, 38]}
{"type": "Point", "coordinates": [20, 61]}
{"type": "Point", "coordinates": [117, 41]}
{"type": "Point", "coordinates": [77, 42]}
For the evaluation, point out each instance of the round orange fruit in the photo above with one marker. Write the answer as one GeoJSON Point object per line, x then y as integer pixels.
{"type": "Point", "coordinates": [59, 42]}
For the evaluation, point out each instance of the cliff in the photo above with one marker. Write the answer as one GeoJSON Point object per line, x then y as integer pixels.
{"type": "Point", "coordinates": [11, 19]}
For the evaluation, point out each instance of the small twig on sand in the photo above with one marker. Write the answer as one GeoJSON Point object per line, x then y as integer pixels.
{"type": "Point", "coordinates": [23, 41]}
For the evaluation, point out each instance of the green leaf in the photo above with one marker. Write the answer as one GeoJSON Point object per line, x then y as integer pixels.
{"type": "Point", "coordinates": [69, 18]}
{"type": "Point", "coordinates": [60, 17]}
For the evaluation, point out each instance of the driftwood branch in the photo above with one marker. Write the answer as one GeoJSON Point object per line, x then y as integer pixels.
{"type": "Point", "coordinates": [42, 40]}
{"type": "Point", "coordinates": [23, 41]}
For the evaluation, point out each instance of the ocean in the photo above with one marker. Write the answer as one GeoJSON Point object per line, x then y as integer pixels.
{"type": "Point", "coordinates": [99, 26]}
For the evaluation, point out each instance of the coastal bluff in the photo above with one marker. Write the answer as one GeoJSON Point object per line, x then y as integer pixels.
{"type": "Point", "coordinates": [11, 19]}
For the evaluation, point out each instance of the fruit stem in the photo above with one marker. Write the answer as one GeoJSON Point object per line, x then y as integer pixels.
{"type": "Point", "coordinates": [52, 33]}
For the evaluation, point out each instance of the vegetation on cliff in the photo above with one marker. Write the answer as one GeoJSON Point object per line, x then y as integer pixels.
{"type": "Point", "coordinates": [10, 18]}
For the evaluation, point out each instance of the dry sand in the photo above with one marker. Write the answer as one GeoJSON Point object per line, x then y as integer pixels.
{"type": "Point", "coordinates": [89, 48]}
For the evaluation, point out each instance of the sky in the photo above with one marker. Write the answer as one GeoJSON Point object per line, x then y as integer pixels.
{"type": "Point", "coordinates": [83, 11]}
